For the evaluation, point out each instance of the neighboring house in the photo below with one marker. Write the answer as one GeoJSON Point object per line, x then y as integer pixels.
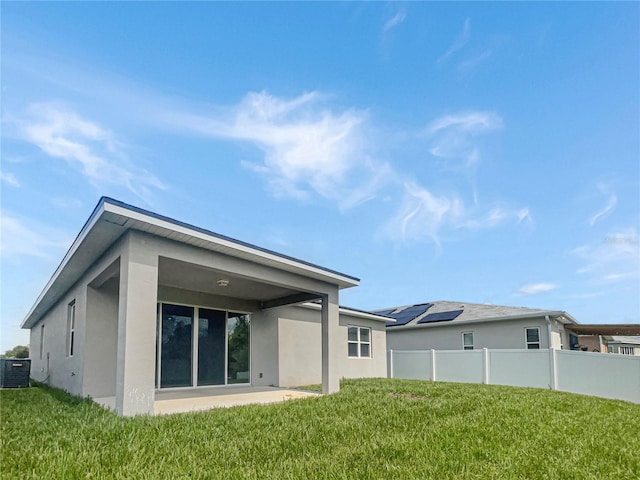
{"type": "Point", "coordinates": [623, 345]}
{"type": "Point", "coordinates": [621, 338]}
{"type": "Point", "coordinates": [468, 326]}
{"type": "Point", "coordinates": [142, 303]}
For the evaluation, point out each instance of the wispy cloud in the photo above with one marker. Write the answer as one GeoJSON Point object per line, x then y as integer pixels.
{"type": "Point", "coordinates": [473, 62]}
{"type": "Point", "coordinates": [534, 289]}
{"type": "Point", "coordinates": [425, 215]}
{"type": "Point", "coordinates": [450, 135]}
{"type": "Point", "coordinates": [86, 146]}
{"type": "Point", "coordinates": [608, 208]}
{"type": "Point", "coordinates": [461, 40]}
{"type": "Point", "coordinates": [308, 146]}
{"type": "Point", "coordinates": [394, 21]}
{"type": "Point", "coordinates": [9, 179]}
{"type": "Point", "coordinates": [24, 238]}
{"type": "Point", "coordinates": [616, 259]}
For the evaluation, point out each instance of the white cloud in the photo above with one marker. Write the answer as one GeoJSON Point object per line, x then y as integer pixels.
{"type": "Point", "coordinates": [535, 289]}
{"type": "Point", "coordinates": [394, 21]}
{"type": "Point", "coordinates": [9, 179]}
{"type": "Point", "coordinates": [85, 146]}
{"type": "Point", "coordinates": [424, 215]}
{"type": "Point", "coordinates": [616, 259]}
{"type": "Point", "coordinates": [20, 238]}
{"type": "Point", "coordinates": [460, 41]}
{"type": "Point", "coordinates": [473, 62]}
{"type": "Point", "coordinates": [308, 147]}
{"type": "Point", "coordinates": [451, 135]}
{"type": "Point", "coordinates": [607, 209]}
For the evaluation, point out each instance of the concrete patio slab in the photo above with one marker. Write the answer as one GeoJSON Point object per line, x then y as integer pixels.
{"type": "Point", "coordinates": [190, 400]}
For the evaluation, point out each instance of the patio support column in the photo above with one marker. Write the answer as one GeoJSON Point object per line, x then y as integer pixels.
{"type": "Point", "coordinates": [330, 343]}
{"type": "Point", "coordinates": [136, 362]}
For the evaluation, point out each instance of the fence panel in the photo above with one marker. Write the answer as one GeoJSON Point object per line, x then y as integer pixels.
{"type": "Point", "coordinates": [520, 368]}
{"type": "Point", "coordinates": [460, 366]}
{"type": "Point", "coordinates": [602, 375]}
{"type": "Point", "coordinates": [599, 374]}
{"type": "Point", "coordinates": [411, 365]}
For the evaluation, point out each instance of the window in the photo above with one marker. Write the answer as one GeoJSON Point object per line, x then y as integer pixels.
{"type": "Point", "coordinates": [467, 341]}
{"type": "Point", "coordinates": [359, 340]}
{"type": "Point", "coordinates": [532, 338]}
{"type": "Point", "coordinates": [71, 327]}
{"type": "Point", "coordinates": [41, 340]}
{"type": "Point", "coordinates": [626, 350]}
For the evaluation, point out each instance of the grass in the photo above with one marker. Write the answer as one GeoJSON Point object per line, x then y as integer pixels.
{"type": "Point", "coordinates": [372, 429]}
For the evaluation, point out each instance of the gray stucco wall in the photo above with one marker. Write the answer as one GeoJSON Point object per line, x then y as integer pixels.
{"type": "Point", "coordinates": [300, 348]}
{"type": "Point", "coordinates": [496, 334]}
{"type": "Point", "coordinates": [60, 370]}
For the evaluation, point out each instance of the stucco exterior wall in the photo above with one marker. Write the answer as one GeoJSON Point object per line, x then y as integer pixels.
{"type": "Point", "coordinates": [60, 370]}
{"type": "Point", "coordinates": [300, 348]}
{"type": "Point", "coordinates": [101, 340]}
{"type": "Point", "coordinates": [495, 334]}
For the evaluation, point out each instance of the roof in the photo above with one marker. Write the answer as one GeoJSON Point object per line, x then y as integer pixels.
{"type": "Point", "coordinates": [461, 312]}
{"type": "Point", "coordinates": [625, 339]}
{"type": "Point", "coordinates": [353, 312]}
{"type": "Point", "coordinates": [605, 329]}
{"type": "Point", "coordinates": [112, 218]}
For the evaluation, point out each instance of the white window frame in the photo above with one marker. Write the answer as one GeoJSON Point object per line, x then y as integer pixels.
{"type": "Point", "coordinates": [624, 350]}
{"type": "Point", "coordinates": [465, 346]}
{"type": "Point", "coordinates": [359, 342]}
{"type": "Point", "coordinates": [527, 343]}
{"type": "Point", "coordinates": [71, 327]}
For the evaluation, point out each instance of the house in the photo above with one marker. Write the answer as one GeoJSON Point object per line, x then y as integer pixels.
{"type": "Point", "coordinates": [142, 303]}
{"type": "Point", "coordinates": [623, 345]}
{"type": "Point", "coordinates": [467, 326]}
{"type": "Point", "coordinates": [623, 338]}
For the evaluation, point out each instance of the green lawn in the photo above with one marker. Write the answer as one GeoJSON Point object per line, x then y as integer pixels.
{"type": "Point", "coordinates": [371, 429]}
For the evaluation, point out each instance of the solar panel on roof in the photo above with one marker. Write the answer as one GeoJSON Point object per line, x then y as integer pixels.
{"type": "Point", "coordinates": [408, 314]}
{"type": "Point", "coordinates": [384, 312]}
{"type": "Point", "coordinates": [440, 316]}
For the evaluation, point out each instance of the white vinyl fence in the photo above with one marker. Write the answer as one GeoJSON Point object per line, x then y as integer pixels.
{"type": "Point", "coordinates": [599, 374]}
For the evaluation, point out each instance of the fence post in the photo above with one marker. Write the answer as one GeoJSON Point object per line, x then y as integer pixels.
{"type": "Point", "coordinates": [433, 365]}
{"type": "Point", "coordinates": [485, 364]}
{"type": "Point", "coordinates": [390, 372]}
{"type": "Point", "coordinates": [553, 370]}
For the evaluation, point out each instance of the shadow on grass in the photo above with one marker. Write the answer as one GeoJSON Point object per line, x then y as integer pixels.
{"type": "Point", "coordinates": [61, 396]}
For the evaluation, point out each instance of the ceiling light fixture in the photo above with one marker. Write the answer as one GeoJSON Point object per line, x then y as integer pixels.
{"type": "Point", "coordinates": [223, 283]}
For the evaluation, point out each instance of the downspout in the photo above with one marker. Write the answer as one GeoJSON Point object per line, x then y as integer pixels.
{"type": "Point", "coordinates": [549, 329]}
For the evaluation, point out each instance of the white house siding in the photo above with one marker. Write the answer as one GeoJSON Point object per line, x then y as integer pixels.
{"type": "Point", "coordinates": [492, 334]}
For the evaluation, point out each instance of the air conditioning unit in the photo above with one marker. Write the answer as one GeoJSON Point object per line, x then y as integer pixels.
{"type": "Point", "coordinates": [14, 372]}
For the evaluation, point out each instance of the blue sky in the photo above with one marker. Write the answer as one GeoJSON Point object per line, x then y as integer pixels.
{"type": "Point", "coordinates": [475, 152]}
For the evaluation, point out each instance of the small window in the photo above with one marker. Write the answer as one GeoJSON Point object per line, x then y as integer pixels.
{"type": "Point", "coordinates": [41, 340]}
{"type": "Point", "coordinates": [359, 342]}
{"type": "Point", "coordinates": [626, 350]}
{"type": "Point", "coordinates": [71, 327]}
{"type": "Point", "coordinates": [467, 341]}
{"type": "Point", "coordinates": [532, 338]}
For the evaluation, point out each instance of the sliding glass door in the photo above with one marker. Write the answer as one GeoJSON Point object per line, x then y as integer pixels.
{"type": "Point", "coordinates": [201, 346]}
{"type": "Point", "coordinates": [176, 346]}
{"type": "Point", "coordinates": [211, 346]}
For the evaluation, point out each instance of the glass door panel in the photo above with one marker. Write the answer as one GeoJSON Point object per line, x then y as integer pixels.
{"type": "Point", "coordinates": [177, 346]}
{"type": "Point", "coordinates": [211, 347]}
{"type": "Point", "coordinates": [238, 348]}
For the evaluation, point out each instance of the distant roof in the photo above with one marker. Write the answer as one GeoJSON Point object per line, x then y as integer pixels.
{"type": "Point", "coordinates": [605, 329]}
{"type": "Point", "coordinates": [445, 313]}
{"type": "Point", "coordinates": [623, 339]}
{"type": "Point", "coordinates": [112, 218]}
